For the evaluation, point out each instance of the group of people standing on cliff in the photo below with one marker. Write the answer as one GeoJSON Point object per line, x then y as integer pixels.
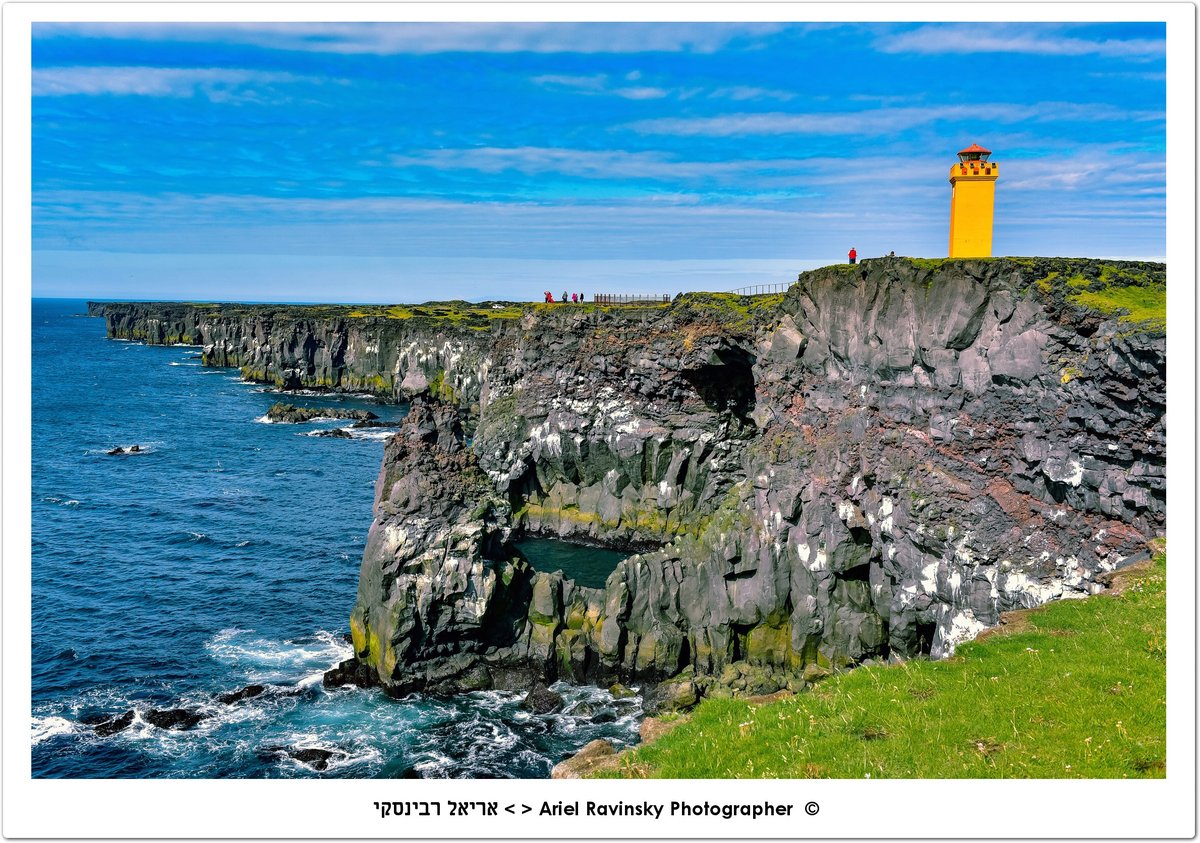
{"type": "Point", "coordinates": [576, 298]}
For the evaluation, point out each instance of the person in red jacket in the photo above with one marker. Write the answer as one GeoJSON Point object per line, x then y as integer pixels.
{"type": "Point", "coordinates": [549, 297]}
{"type": "Point", "coordinates": [853, 255]}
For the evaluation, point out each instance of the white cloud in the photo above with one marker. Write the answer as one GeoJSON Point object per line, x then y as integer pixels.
{"type": "Point", "coordinates": [594, 164]}
{"type": "Point", "coordinates": [747, 92]}
{"type": "Point", "coordinates": [1140, 75]}
{"type": "Point", "coordinates": [1017, 38]}
{"type": "Point", "coordinates": [594, 82]}
{"type": "Point", "coordinates": [600, 83]}
{"type": "Point", "coordinates": [216, 82]}
{"type": "Point", "coordinates": [394, 38]}
{"type": "Point", "coordinates": [1034, 216]}
{"type": "Point", "coordinates": [880, 121]}
{"type": "Point", "coordinates": [1091, 169]}
{"type": "Point", "coordinates": [642, 93]}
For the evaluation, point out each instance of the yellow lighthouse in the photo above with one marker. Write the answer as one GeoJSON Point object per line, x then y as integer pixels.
{"type": "Point", "coordinates": [972, 198]}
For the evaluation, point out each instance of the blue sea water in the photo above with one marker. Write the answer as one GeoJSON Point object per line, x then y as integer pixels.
{"type": "Point", "coordinates": [225, 554]}
{"type": "Point", "coordinates": [587, 566]}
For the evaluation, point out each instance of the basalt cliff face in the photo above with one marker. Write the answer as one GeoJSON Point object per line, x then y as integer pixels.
{"type": "Point", "coordinates": [876, 464]}
{"type": "Point", "coordinates": [338, 349]}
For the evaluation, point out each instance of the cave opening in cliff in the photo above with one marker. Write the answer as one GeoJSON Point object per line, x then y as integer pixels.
{"type": "Point", "coordinates": [859, 573]}
{"type": "Point", "coordinates": [925, 633]}
{"type": "Point", "coordinates": [587, 565]}
{"type": "Point", "coordinates": [726, 383]}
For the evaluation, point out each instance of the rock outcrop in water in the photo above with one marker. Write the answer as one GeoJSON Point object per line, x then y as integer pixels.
{"type": "Point", "coordinates": [282, 413]}
{"type": "Point", "coordinates": [876, 464]}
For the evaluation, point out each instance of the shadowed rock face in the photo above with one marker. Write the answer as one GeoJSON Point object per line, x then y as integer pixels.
{"type": "Point", "coordinates": [875, 466]}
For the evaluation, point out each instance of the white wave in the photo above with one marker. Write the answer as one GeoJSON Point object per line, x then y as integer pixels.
{"type": "Point", "coordinates": [71, 502]}
{"type": "Point", "coordinates": [261, 709]}
{"type": "Point", "coordinates": [355, 433]}
{"type": "Point", "coordinates": [368, 755]}
{"type": "Point", "coordinates": [342, 756]}
{"type": "Point", "coordinates": [264, 420]}
{"type": "Point", "coordinates": [314, 679]}
{"type": "Point", "coordinates": [44, 728]}
{"type": "Point", "coordinates": [495, 701]}
{"type": "Point", "coordinates": [264, 659]}
{"type": "Point", "coordinates": [102, 698]}
{"type": "Point", "coordinates": [630, 721]}
{"type": "Point", "coordinates": [186, 345]}
{"type": "Point", "coordinates": [139, 729]}
{"type": "Point", "coordinates": [380, 433]}
{"type": "Point", "coordinates": [245, 543]}
{"type": "Point", "coordinates": [434, 762]}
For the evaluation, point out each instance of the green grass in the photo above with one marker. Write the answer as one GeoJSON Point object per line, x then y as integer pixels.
{"type": "Point", "coordinates": [1146, 306]}
{"type": "Point", "coordinates": [1076, 689]}
{"type": "Point", "coordinates": [928, 263]}
{"type": "Point", "coordinates": [1134, 296]}
{"type": "Point", "coordinates": [460, 313]}
{"type": "Point", "coordinates": [732, 311]}
{"type": "Point", "coordinates": [456, 313]}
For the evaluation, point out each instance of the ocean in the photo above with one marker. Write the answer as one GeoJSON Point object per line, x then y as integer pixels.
{"type": "Point", "coordinates": [224, 554]}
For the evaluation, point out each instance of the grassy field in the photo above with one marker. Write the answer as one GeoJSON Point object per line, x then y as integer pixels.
{"type": "Point", "coordinates": [1075, 689]}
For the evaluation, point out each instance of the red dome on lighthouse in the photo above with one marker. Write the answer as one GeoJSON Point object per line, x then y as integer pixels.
{"type": "Point", "coordinates": [974, 152]}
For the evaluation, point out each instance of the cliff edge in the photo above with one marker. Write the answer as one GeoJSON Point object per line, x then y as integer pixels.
{"type": "Point", "coordinates": [874, 465]}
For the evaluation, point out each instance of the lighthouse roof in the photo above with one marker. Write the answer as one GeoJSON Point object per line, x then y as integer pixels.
{"type": "Point", "coordinates": [975, 148]}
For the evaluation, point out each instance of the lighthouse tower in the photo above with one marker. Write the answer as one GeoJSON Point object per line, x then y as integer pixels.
{"type": "Point", "coordinates": [972, 198]}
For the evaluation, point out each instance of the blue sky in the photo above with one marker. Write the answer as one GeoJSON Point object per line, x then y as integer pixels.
{"type": "Point", "coordinates": [399, 162]}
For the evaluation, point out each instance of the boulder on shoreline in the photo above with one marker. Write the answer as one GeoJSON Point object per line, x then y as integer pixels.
{"type": "Point", "coordinates": [350, 672]}
{"type": "Point", "coordinates": [679, 694]}
{"type": "Point", "coordinates": [541, 700]}
{"type": "Point", "coordinates": [597, 755]}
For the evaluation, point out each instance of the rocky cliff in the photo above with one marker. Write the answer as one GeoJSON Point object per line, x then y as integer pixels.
{"type": "Point", "coordinates": [874, 465]}
{"type": "Point", "coordinates": [388, 352]}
